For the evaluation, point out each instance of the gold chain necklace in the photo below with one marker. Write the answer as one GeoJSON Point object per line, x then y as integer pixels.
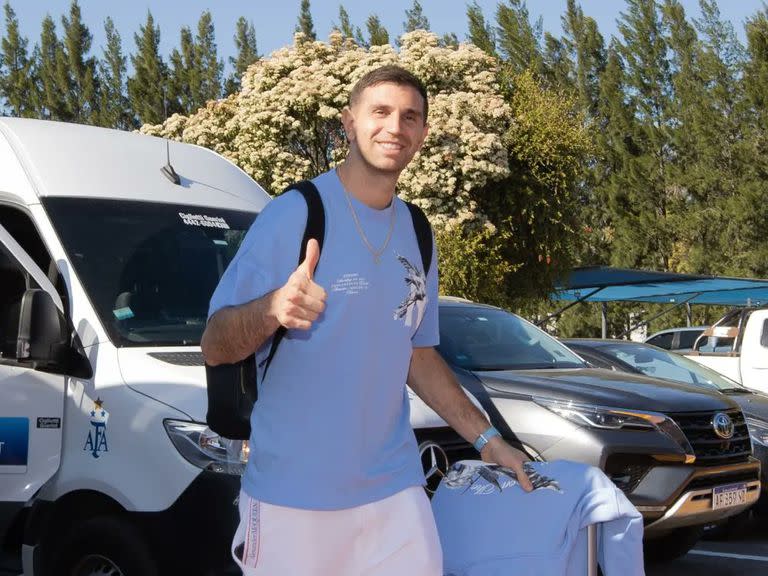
{"type": "Point", "coordinates": [376, 253]}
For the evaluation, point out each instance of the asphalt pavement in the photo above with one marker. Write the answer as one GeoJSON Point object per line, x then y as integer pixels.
{"type": "Point", "coordinates": [743, 553]}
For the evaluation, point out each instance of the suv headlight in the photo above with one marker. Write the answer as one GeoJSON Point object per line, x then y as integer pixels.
{"type": "Point", "coordinates": [616, 419]}
{"type": "Point", "coordinates": [758, 431]}
{"type": "Point", "coordinates": [202, 447]}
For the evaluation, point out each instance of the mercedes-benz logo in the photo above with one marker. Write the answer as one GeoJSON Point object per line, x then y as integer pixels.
{"type": "Point", "coordinates": [723, 425]}
{"type": "Point", "coordinates": [435, 463]}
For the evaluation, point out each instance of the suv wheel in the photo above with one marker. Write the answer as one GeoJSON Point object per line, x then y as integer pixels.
{"type": "Point", "coordinates": [671, 545]}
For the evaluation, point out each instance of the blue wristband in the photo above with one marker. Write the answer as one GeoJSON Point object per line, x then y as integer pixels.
{"type": "Point", "coordinates": [483, 439]}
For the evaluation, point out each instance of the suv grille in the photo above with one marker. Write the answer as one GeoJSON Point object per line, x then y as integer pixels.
{"type": "Point", "coordinates": [709, 448]}
{"type": "Point", "coordinates": [455, 447]}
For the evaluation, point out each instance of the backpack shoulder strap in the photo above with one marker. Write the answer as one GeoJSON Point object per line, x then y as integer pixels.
{"type": "Point", "coordinates": [315, 228]}
{"type": "Point", "coordinates": [423, 235]}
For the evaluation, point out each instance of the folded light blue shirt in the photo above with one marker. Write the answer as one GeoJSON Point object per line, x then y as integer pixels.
{"type": "Point", "coordinates": [489, 526]}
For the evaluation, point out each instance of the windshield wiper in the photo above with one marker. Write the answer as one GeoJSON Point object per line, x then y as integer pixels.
{"type": "Point", "coordinates": [736, 390]}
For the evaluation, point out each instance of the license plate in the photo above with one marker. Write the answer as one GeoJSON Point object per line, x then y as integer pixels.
{"type": "Point", "coordinates": [729, 495]}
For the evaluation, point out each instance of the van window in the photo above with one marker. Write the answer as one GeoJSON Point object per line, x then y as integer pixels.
{"type": "Point", "coordinates": [149, 268]}
{"type": "Point", "coordinates": [20, 226]}
{"type": "Point", "coordinates": [764, 334]}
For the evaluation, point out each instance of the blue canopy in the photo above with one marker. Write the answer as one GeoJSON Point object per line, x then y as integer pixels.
{"type": "Point", "coordinates": [605, 284]}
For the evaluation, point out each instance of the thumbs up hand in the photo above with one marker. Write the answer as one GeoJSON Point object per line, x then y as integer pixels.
{"type": "Point", "coordinates": [300, 301]}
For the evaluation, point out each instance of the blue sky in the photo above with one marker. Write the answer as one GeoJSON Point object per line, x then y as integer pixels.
{"type": "Point", "coordinates": [274, 21]}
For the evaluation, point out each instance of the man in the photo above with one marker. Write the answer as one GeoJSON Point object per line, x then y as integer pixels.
{"type": "Point", "coordinates": [333, 482]}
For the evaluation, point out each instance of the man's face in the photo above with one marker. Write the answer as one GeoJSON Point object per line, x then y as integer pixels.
{"type": "Point", "coordinates": [387, 126]}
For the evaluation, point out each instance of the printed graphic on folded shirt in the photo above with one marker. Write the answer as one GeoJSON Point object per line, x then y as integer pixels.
{"type": "Point", "coordinates": [482, 478]}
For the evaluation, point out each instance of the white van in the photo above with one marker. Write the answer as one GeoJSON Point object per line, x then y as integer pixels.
{"type": "Point", "coordinates": [107, 264]}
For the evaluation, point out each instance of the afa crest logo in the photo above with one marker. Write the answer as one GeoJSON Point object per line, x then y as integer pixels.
{"type": "Point", "coordinates": [97, 435]}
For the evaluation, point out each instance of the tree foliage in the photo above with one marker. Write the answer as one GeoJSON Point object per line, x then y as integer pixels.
{"type": "Point", "coordinates": [482, 152]}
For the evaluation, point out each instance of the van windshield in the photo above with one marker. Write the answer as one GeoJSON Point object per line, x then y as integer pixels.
{"type": "Point", "coordinates": [149, 268]}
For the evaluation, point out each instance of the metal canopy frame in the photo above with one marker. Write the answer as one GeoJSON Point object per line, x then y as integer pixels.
{"type": "Point", "coordinates": [606, 284]}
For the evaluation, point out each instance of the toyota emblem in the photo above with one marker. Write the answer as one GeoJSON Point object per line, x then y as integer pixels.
{"type": "Point", "coordinates": [723, 425]}
{"type": "Point", "coordinates": [435, 463]}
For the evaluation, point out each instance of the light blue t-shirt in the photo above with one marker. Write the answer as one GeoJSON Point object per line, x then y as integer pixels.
{"type": "Point", "coordinates": [489, 526]}
{"type": "Point", "coordinates": [331, 427]}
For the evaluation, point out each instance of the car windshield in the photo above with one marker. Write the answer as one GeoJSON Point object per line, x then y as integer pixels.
{"type": "Point", "coordinates": [668, 365]}
{"type": "Point", "coordinates": [148, 268]}
{"type": "Point", "coordinates": [478, 338]}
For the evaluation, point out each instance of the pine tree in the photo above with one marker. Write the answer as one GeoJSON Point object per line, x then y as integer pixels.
{"type": "Point", "coordinates": [345, 25]}
{"type": "Point", "coordinates": [16, 83]}
{"type": "Point", "coordinates": [586, 47]}
{"type": "Point", "coordinates": [518, 40]}
{"type": "Point", "coordinates": [115, 108]}
{"type": "Point", "coordinates": [184, 77]}
{"type": "Point", "coordinates": [147, 86]}
{"type": "Point", "coordinates": [305, 24]}
{"type": "Point", "coordinates": [415, 18]}
{"type": "Point", "coordinates": [51, 66]}
{"type": "Point", "coordinates": [450, 40]}
{"type": "Point", "coordinates": [247, 53]}
{"type": "Point", "coordinates": [82, 101]}
{"type": "Point", "coordinates": [209, 65]}
{"type": "Point", "coordinates": [377, 34]}
{"type": "Point", "coordinates": [644, 206]}
{"type": "Point", "coordinates": [481, 34]}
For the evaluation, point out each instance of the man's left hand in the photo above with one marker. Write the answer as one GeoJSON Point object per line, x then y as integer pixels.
{"type": "Point", "coordinates": [497, 451]}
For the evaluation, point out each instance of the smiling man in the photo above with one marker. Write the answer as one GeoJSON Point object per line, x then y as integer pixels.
{"type": "Point", "coordinates": [337, 490]}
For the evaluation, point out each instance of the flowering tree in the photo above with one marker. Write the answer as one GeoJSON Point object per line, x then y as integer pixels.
{"type": "Point", "coordinates": [483, 150]}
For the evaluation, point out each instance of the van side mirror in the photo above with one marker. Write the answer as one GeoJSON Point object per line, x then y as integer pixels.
{"type": "Point", "coordinates": [43, 337]}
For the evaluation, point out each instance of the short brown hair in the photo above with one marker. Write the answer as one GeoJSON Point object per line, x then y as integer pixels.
{"type": "Point", "coordinates": [393, 75]}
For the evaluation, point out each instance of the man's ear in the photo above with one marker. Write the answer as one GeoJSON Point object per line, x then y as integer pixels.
{"type": "Point", "coordinates": [424, 135]}
{"type": "Point", "coordinates": [348, 121]}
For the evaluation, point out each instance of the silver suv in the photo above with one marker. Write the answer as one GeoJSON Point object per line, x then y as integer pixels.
{"type": "Point", "coordinates": [656, 440]}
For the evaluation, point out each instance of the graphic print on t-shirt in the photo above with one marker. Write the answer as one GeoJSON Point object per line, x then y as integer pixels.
{"type": "Point", "coordinates": [483, 478]}
{"type": "Point", "coordinates": [417, 294]}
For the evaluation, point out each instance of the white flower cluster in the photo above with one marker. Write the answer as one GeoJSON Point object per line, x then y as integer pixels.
{"type": "Point", "coordinates": [284, 125]}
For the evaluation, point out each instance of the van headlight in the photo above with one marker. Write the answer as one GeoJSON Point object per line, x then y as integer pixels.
{"type": "Point", "coordinates": [205, 449]}
{"type": "Point", "coordinates": [758, 431]}
{"type": "Point", "coordinates": [617, 419]}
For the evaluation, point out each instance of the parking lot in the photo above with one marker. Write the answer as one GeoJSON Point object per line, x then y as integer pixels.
{"type": "Point", "coordinates": [744, 553]}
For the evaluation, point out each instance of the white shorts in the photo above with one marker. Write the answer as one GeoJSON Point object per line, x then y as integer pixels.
{"type": "Point", "coordinates": [395, 536]}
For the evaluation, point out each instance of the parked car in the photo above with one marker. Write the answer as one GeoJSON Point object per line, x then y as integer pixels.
{"type": "Point", "coordinates": [676, 339]}
{"type": "Point", "coordinates": [652, 438]}
{"type": "Point", "coordinates": [737, 347]}
{"type": "Point", "coordinates": [637, 358]}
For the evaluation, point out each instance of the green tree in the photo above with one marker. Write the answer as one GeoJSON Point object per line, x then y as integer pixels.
{"type": "Point", "coordinates": [518, 41]}
{"type": "Point", "coordinates": [586, 47]}
{"type": "Point", "coordinates": [496, 176]}
{"type": "Point", "coordinates": [247, 53]}
{"type": "Point", "coordinates": [481, 33]}
{"type": "Point", "coordinates": [644, 199]}
{"type": "Point", "coordinates": [377, 34]}
{"type": "Point", "coordinates": [81, 96]}
{"type": "Point", "coordinates": [415, 18]}
{"type": "Point", "coordinates": [17, 86]}
{"type": "Point", "coordinates": [345, 25]}
{"type": "Point", "coordinates": [51, 66]}
{"type": "Point", "coordinates": [305, 24]}
{"type": "Point", "coordinates": [184, 78]}
{"type": "Point", "coordinates": [115, 109]}
{"type": "Point", "coordinates": [208, 63]}
{"type": "Point", "coordinates": [147, 85]}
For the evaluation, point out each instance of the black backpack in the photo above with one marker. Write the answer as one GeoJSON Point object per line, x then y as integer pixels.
{"type": "Point", "coordinates": [232, 389]}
